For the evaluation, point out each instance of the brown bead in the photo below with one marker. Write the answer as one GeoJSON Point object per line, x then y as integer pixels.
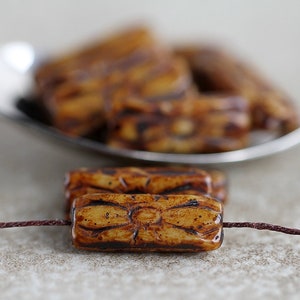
{"type": "Point", "coordinates": [131, 180]}
{"type": "Point", "coordinates": [217, 71]}
{"type": "Point", "coordinates": [144, 222]}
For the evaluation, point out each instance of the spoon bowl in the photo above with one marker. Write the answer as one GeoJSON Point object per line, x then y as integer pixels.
{"type": "Point", "coordinates": [17, 63]}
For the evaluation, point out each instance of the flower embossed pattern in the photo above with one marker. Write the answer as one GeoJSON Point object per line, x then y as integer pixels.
{"type": "Point", "coordinates": [123, 222]}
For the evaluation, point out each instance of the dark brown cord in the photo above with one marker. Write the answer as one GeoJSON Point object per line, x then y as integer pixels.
{"type": "Point", "coordinates": [262, 226]}
{"type": "Point", "coordinates": [253, 225]}
{"type": "Point", "coordinates": [35, 223]}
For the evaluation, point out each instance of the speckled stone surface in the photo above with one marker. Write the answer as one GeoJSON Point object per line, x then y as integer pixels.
{"type": "Point", "coordinates": [40, 263]}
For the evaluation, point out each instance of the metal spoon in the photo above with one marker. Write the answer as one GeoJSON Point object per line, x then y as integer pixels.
{"type": "Point", "coordinates": [17, 61]}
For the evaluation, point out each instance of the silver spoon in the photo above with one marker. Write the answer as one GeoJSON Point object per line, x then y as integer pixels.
{"type": "Point", "coordinates": [17, 62]}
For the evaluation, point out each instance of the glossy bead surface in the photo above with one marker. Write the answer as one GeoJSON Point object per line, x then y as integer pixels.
{"type": "Point", "coordinates": [144, 222]}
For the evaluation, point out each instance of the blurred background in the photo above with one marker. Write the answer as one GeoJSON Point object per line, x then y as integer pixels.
{"type": "Point", "coordinates": [265, 32]}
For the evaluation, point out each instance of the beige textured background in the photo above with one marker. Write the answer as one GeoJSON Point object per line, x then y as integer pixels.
{"type": "Point", "coordinates": [40, 263]}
